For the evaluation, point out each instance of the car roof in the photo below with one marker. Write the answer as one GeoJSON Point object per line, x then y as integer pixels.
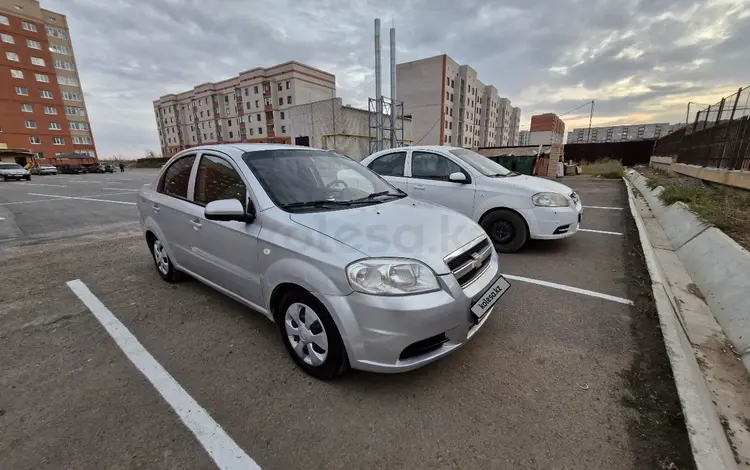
{"type": "Point", "coordinates": [244, 148]}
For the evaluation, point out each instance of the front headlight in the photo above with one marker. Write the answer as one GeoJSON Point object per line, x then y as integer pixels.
{"type": "Point", "coordinates": [549, 200]}
{"type": "Point", "coordinates": [391, 276]}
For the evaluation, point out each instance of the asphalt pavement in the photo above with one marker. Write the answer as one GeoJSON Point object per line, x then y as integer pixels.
{"type": "Point", "coordinates": [563, 375]}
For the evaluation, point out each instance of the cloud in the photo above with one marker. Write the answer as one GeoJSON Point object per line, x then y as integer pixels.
{"type": "Point", "coordinates": [640, 60]}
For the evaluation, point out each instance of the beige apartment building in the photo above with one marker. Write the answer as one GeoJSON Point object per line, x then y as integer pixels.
{"type": "Point", "coordinates": [251, 107]}
{"type": "Point", "coordinates": [42, 107]}
{"type": "Point", "coordinates": [449, 105]}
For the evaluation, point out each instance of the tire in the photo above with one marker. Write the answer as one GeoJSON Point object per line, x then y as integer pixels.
{"type": "Point", "coordinates": [163, 264]}
{"type": "Point", "coordinates": [5, 178]}
{"type": "Point", "coordinates": [324, 358]}
{"type": "Point", "coordinates": [27, 178]}
{"type": "Point", "coordinates": [507, 230]}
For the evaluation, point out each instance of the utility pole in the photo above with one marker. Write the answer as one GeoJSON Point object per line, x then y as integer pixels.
{"type": "Point", "coordinates": [378, 93]}
{"type": "Point", "coordinates": [591, 117]}
{"type": "Point", "coordinates": [393, 88]}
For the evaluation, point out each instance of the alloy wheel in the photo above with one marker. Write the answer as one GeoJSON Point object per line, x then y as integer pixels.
{"type": "Point", "coordinates": [306, 334]}
{"type": "Point", "coordinates": [161, 258]}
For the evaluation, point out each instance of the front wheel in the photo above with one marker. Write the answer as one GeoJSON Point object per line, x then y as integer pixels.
{"type": "Point", "coordinates": [311, 336]}
{"type": "Point", "coordinates": [506, 229]}
{"type": "Point", "coordinates": [27, 178]}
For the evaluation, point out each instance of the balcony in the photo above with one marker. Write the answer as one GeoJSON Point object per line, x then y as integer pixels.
{"type": "Point", "coordinates": [268, 107]}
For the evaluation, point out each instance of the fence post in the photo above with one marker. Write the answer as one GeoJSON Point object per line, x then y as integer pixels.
{"type": "Point", "coordinates": [729, 128]}
{"type": "Point", "coordinates": [743, 144]}
{"type": "Point", "coordinates": [712, 135]}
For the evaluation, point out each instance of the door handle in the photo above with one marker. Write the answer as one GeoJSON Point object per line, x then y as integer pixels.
{"type": "Point", "coordinates": [196, 224]}
{"type": "Point", "coordinates": [419, 186]}
{"type": "Point", "coordinates": [156, 207]}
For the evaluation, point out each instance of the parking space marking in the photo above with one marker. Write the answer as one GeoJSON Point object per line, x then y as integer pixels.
{"type": "Point", "coordinates": [44, 184]}
{"type": "Point", "coordinates": [85, 198]}
{"type": "Point", "coordinates": [577, 290]}
{"type": "Point", "coordinates": [220, 447]}
{"type": "Point", "coordinates": [599, 231]}
{"type": "Point", "coordinates": [604, 207]}
{"type": "Point", "coordinates": [55, 198]}
{"type": "Point", "coordinates": [122, 189]}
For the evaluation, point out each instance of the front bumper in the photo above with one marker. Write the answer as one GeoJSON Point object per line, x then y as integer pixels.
{"type": "Point", "coordinates": [552, 223]}
{"type": "Point", "coordinates": [15, 177]}
{"type": "Point", "coordinates": [377, 330]}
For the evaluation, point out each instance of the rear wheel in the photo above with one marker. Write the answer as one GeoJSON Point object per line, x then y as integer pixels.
{"type": "Point", "coordinates": [310, 335]}
{"type": "Point", "coordinates": [164, 265]}
{"type": "Point", "coordinates": [506, 229]}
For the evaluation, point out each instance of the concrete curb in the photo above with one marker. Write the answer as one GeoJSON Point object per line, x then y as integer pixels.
{"type": "Point", "coordinates": [711, 449]}
{"type": "Point", "coordinates": [717, 264]}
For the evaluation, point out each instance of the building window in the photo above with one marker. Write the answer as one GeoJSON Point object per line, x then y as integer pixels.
{"type": "Point", "coordinates": [74, 111]}
{"type": "Point", "coordinates": [288, 84]}
{"type": "Point", "coordinates": [250, 131]}
{"type": "Point", "coordinates": [46, 94]}
{"type": "Point", "coordinates": [257, 104]}
{"type": "Point", "coordinates": [64, 65]}
{"type": "Point", "coordinates": [31, 44]}
{"type": "Point", "coordinates": [56, 32]}
{"type": "Point", "coordinates": [60, 49]}
{"type": "Point", "coordinates": [283, 129]}
{"type": "Point", "coordinates": [288, 100]}
{"type": "Point", "coordinates": [30, 124]}
{"type": "Point", "coordinates": [22, 91]}
{"type": "Point", "coordinates": [451, 96]}
{"type": "Point", "coordinates": [58, 141]}
{"type": "Point", "coordinates": [258, 117]}
{"type": "Point", "coordinates": [246, 91]}
{"type": "Point", "coordinates": [230, 122]}
{"type": "Point", "coordinates": [12, 56]}
{"type": "Point", "coordinates": [54, 126]}
{"type": "Point", "coordinates": [28, 26]}
{"type": "Point", "coordinates": [37, 61]}
{"type": "Point", "coordinates": [4, 20]}
{"type": "Point", "coordinates": [281, 101]}
{"type": "Point", "coordinates": [255, 89]}
{"type": "Point", "coordinates": [81, 139]}
{"type": "Point", "coordinates": [72, 96]}
{"type": "Point", "coordinates": [201, 113]}
{"type": "Point", "coordinates": [447, 96]}
{"type": "Point", "coordinates": [16, 73]}
{"type": "Point", "coordinates": [51, 110]}
{"type": "Point", "coordinates": [35, 140]}
{"type": "Point", "coordinates": [260, 130]}
{"type": "Point", "coordinates": [281, 87]}
{"type": "Point", "coordinates": [231, 134]}
{"type": "Point", "coordinates": [281, 115]}
{"type": "Point", "coordinates": [40, 77]}
{"type": "Point", "coordinates": [7, 38]}
{"type": "Point", "coordinates": [27, 108]}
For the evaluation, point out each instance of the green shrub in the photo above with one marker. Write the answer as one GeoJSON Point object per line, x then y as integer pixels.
{"type": "Point", "coordinates": [605, 168]}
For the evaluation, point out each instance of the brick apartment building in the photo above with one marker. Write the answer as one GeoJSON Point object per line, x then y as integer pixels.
{"type": "Point", "coordinates": [42, 108]}
{"type": "Point", "coordinates": [546, 129]}
{"type": "Point", "coordinates": [251, 107]}
{"type": "Point", "coordinates": [449, 105]}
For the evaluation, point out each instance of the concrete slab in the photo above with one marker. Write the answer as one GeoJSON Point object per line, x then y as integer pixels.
{"type": "Point", "coordinates": [721, 267]}
{"type": "Point", "coordinates": [680, 224]}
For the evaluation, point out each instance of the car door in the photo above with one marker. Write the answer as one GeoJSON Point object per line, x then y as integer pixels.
{"type": "Point", "coordinates": [171, 209]}
{"type": "Point", "coordinates": [391, 167]}
{"type": "Point", "coordinates": [227, 252]}
{"type": "Point", "coordinates": [429, 182]}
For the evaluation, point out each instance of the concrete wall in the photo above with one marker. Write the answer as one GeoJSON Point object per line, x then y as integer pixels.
{"type": "Point", "coordinates": [736, 178]}
{"type": "Point", "coordinates": [661, 163]}
{"type": "Point", "coordinates": [421, 86]}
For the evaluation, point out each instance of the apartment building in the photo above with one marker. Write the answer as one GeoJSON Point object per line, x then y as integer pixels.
{"type": "Point", "coordinates": [515, 124]}
{"type": "Point", "coordinates": [621, 133]}
{"type": "Point", "coordinates": [449, 105]}
{"type": "Point", "coordinates": [251, 107]}
{"type": "Point", "coordinates": [42, 108]}
{"type": "Point", "coordinates": [546, 129]}
{"type": "Point", "coordinates": [523, 138]}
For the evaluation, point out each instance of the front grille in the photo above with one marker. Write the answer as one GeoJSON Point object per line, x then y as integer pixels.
{"type": "Point", "coordinates": [561, 229]}
{"type": "Point", "coordinates": [423, 347]}
{"type": "Point", "coordinates": [470, 261]}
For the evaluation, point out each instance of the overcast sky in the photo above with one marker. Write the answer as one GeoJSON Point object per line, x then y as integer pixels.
{"type": "Point", "coordinates": [642, 61]}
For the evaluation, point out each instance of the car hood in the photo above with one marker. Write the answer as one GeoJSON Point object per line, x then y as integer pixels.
{"type": "Point", "coordinates": [403, 228]}
{"type": "Point", "coordinates": [13, 172]}
{"type": "Point", "coordinates": [533, 184]}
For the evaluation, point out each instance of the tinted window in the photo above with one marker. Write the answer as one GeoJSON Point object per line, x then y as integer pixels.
{"type": "Point", "coordinates": [391, 164]}
{"type": "Point", "coordinates": [217, 179]}
{"type": "Point", "coordinates": [432, 166]}
{"type": "Point", "coordinates": [480, 163]}
{"type": "Point", "coordinates": [177, 176]}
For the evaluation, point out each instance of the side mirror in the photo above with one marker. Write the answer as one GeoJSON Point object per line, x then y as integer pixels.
{"type": "Point", "coordinates": [458, 177]}
{"type": "Point", "coordinates": [226, 210]}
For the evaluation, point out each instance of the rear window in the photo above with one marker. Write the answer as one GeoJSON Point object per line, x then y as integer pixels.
{"type": "Point", "coordinates": [177, 177]}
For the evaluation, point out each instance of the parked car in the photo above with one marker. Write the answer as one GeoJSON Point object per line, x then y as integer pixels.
{"type": "Point", "coordinates": [72, 169]}
{"type": "Point", "coordinates": [43, 170]}
{"type": "Point", "coordinates": [98, 168]}
{"type": "Point", "coordinates": [108, 168]}
{"type": "Point", "coordinates": [347, 273]}
{"type": "Point", "coordinates": [14, 171]}
{"type": "Point", "coordinates": [511, 207]}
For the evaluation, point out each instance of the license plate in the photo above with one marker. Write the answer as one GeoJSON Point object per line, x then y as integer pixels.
{"type": "Point", "coordinates": [490, 297]}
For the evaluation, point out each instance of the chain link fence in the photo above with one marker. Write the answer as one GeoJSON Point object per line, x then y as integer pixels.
{"type": "Point", "coordinates": [719, 137]}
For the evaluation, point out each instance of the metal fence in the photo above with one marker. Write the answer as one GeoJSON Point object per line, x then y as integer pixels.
{"type": "Point", "coordinates": [719, 137]}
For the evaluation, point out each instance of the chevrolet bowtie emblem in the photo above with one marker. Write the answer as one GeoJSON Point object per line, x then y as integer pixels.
{"type": "Point", "coordinates": [477, 260]}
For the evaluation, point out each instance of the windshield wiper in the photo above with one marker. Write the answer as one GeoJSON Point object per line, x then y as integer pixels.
{"type": "Point", "coordinates": [319, 203]}
{"type": "Point", "coordinates": [372, 196]}
{"type": "Point", "coordinates": [513, 173]}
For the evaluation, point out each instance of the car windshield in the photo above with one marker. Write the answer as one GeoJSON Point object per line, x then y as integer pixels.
{"type": "Point", "coordinates": [317, 179]}
{"type": "Point", "coordinates": [481, 163]}
{"type": "Point", "coordinates": [10, 166]}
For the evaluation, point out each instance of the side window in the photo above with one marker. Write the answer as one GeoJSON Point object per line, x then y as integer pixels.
{"type": "Point", "coordinates": [432, 166]}
{"type": "Point", "coordinates": [217, 179]}
{"type": "Point", "coordinates": [391, 164]}
{"type": "Point", "coordinates": [177, 177]}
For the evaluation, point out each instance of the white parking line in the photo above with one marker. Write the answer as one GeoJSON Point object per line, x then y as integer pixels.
{"type": "Point", "coordinates": [2, 218]}
{"type": "Point", "coordinates": [599, 231]}
{"type": "Point", "coordinates": [84, 198]}
{"type": "Point", "coordinates": [44, 184]}
{"type": "Point", "coordinates": [123, 189]}
{"type": "Point", "coordinates": [220, 447]}
{"type": "Point", "coordinates": [604, 207]}
{"type": "Point", "coordinates": [55, 198]}
{"type": "Point", "coordinates": [577, 290]}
